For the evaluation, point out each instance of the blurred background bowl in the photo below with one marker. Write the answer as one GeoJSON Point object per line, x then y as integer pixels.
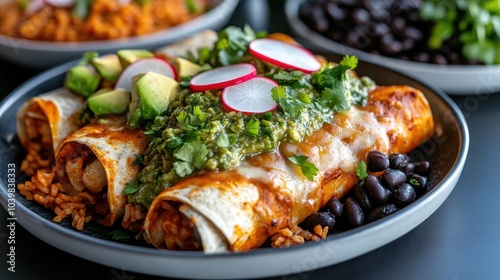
{"type": "Point", "coordinates": [453, 79]}
{"type": "Point", "coordinates": [41, 54]}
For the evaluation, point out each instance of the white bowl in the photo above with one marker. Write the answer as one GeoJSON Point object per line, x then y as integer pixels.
{"type": "Point", "coordinates": [453, 79]}
{"type": "Point", "coordinates": [41, 54]}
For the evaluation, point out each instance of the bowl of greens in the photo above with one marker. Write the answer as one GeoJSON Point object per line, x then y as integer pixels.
{"type": "Point", "coordinates": [454, 45]}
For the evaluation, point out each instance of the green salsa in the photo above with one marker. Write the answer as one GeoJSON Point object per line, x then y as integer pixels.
{"type": "Point", "coordinates": [196, 133]}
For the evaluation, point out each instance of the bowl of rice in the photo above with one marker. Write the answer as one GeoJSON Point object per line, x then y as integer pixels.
{"type": "Point", "coordinates": [43, 33]}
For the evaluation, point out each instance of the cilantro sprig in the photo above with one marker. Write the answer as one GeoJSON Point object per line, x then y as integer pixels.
{"type": "Point", "coordinates": [190, 156]}
{"type": "Point", "coordinates": [289, 104]}
{"type": "Point", "coordinates": [308, 168]}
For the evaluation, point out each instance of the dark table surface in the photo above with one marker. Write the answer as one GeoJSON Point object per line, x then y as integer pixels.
{"type": "Point", "coordinates": [461, 240]}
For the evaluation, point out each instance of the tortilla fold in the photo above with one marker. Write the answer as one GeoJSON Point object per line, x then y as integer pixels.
{"type": "Point", "coordinates": [98, 150]}
{"type": "Point", "coordinates": [55, 113]}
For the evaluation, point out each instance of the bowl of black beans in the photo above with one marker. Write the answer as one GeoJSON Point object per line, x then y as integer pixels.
{"type": "Point", "coordinates": [397, 34]}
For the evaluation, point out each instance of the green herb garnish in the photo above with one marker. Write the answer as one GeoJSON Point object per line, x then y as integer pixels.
{"type": "Point", "coordinates": [474, 24]}
{"type": "Point", "coordinates": [131, 188]}
{"type": "Point", "coordinates": [252, 127]}
{"type": "Point", "coordinates": [190, 156]}
{"type": "Point", "coordinates": [120, 235]}
{"type": "Point", "coordinates": [414, 182]}
{"type": "Point", "coordinates": [308, 168]}
{"type": "Point", "coordinates": [361, 171]}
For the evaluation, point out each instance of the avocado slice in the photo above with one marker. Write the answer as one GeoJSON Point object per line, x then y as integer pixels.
{"type": "Point", "coordinates": [108, 101]}
{"type": "Point", "coordinates": [127, 57]}
{"type": "Point", "coordinates": [186, 68]}
{"type": "Point", "coordinates": [151, 94]}
{"type": "Point", "coordinates": [108, 66]}
{"type": "Point", "coordinates": [82, 79]}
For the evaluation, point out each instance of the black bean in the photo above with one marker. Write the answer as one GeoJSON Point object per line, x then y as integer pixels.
{"type": "Point", "coordinates": [353, 211]}
{"type": "Point", "coordinates": [377, 161]}
{"type": "Point", "coordinates": [419, 183]}
{"type": "Point", "coordinates": [360, 16]}
{"type": "Point", "coordinates": [392, 178]}
{"type": "Point", "coordinates": [374, 189]}
{"type": "Point", "coordinates": [361, 196]}
{"type": "Point", "coordinates": [382, 211]}
{"type": "Point", "coordinates": [334, 12]}
{"type": "Point", "coordinates": [325, 219]}
{"type": "Point", "coordinates": [398, 25]}
{"type": "Point", "coordinates": [335, 207]}
{"type": "Point", "coordinates": [412, 33]}
{"type": "Point", "coordinates": [405, 195]}
{"type": "Point", "coordinates": [421, 57]}
{"type": "Point", "coordinates": [439, 59]}
{"type": "Point", "coordinates": [422, 168]}
{"type": "Point", "coordinates": [396, 160]}
{"type": "Point", "coordinates": [407, 168]}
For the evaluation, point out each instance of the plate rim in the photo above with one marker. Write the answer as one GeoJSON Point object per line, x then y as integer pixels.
{"type": "Point", "coordinates": [40, 225]}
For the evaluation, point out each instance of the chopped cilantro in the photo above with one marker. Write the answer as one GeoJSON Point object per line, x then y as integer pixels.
{"type": "Point", "coordinates": [191, 6]}
{"type": "Point", "coordinates": [131, 188]}
{"type": "Point", "coordinates": [191, 155]}
{"type": "Point", "coordinates": [82, 8]}
{"type": "Point", "coordinates": [290, 105]}
{"type": "Point", "coordinates": [231, 46]}
{"type": "Point", "coordinates": [308, 168]}
{"type": "Point", "coordinates": [120, 235]}
{"type": "Point", "coordinates": [252, 127]}
{"type": "Point", "coordinates": [414, 182]}
{"type": "Point", "coordinates": [361, 171]}
{"type": "Point", "coordinates": [196, 119]}
{"type": "Point", "coordinates": [138, 160]}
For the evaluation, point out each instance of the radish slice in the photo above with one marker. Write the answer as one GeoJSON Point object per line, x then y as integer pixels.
{"type": "Point", "coordinates": [34, 6]}
{"type": "Point", "coordinates": [143, 66]}
{"type": "Point", "coordinates": [250, 97]}
{"type": "Point", "coordinates": [222, 77]}
{"type": "Point", "coordinates": [60, 3]}
{"type": "Point", "coordinates": [284, 55]}
{"type": "Point", "coordinates": [124, 2]}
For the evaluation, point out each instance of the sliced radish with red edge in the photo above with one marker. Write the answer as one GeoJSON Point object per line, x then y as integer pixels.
{"type": "Point", "coordinates": [142, 66]}
{"type": "Point", "coordinates": [222, 77]}
{"type": "Point", "coordinates": [34, 6]}
{"type": "Point", "coordinates": [284, 55]}
{"type": "Point", "coordinates": [61, 3]}
{"type": "Point", "coordinates": [250, 97]}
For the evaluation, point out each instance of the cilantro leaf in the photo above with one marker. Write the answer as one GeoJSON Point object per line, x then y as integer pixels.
{"type": "Point", "coordinates": [252, 127]}
{"type": "Point", "coordinates": [183, 168]}
{"type": "Point", "coordinates": [120, 235]}
{"type": "Point", "coordinates": [361, 171]}
{"type": "Point", "coordinates": [336, 99]}
{"type": "Point", "coordinates": [131, 188]}
{"type": "Point", "coordinates": [414, 182]}
{"type": "Point", "coordinates": [308, 168]}
{"type": "Point", "coordinates": [289, 104]}
{"type": "Point", "coordinates": [190, 155]}
{"type": "Point", "coordinates": [138, 160]}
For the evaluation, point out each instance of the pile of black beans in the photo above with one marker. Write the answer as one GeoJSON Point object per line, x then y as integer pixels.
{"type": "Point", "coordinates": [390, 28]}
{"type": "Point", "coordinates": [401, 182]}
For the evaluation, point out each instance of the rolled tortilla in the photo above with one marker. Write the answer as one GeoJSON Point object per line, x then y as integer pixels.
{"type": "Point", "coordinates": [239, 209]}
{"type": "Point", "coordinates": [98, 159]}
{"type": "Point", "coordinates": [43, 122]}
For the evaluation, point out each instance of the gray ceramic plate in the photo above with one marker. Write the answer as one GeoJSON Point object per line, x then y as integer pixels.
{"type": "Point", "coordinates": [453, 79]}
{"type": "Point", "coordinates": [447, 152]}
{"type": "Point", "coordinates": [39, 54]}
